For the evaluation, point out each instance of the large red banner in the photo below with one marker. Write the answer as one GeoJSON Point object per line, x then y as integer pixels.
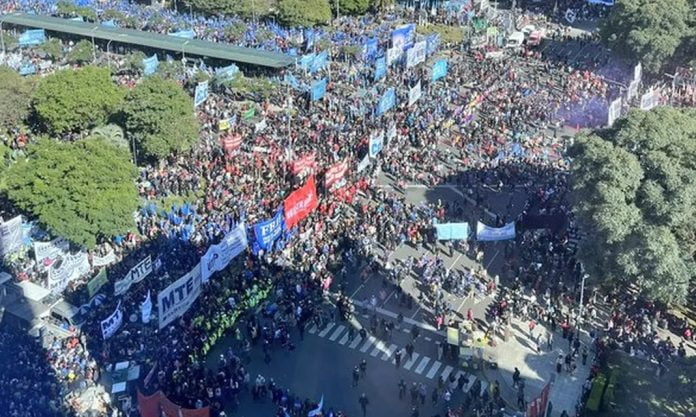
{"type": "Point", "coordinates": [300, 203]}
{"type": "Point", "coordinates": [158, 404]}
{"type": "Point", "coordinates": [335, 174]}
{"type": "Point", "coordinates": [537, 407]}
{"type": "Point", "coordinates": [305, 163]}
{"type": "Point", "coordinates": [231, 143]}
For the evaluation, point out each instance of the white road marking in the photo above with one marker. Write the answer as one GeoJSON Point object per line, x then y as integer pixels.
{"type": "Point", "coordinates": [326, 330]}
{"type": "Point", "coordinates": [379, 347]}
{"type": "Point", "coordinates": [313, 329]}
{"type": "Point", "coordinates": [355, 342]}
{"type": "Point", "coordinates": [411, 361]}
{"type": "Point", "coordinates": [368, 343]}
{"type": "Point", "coordinates": [337, 333]}
{"type": "Point", "coordinates": [390, 351]}
{"type": "Point", "coordinates": [344, 339]}
{"type": "Point", "coordinates": [421, 366]}
{"type": "Point", "coordinates": [433, 370]}
{"type": "Point", "coordinates": [446, 373]}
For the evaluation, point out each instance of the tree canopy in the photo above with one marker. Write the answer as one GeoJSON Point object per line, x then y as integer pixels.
{"type": "Point", "coordinates": [159, 115]}
{"type": "Point", "coordinates": [83, 191]}
{"type": "Point", "coordinates": [649, 31]}
{"type": "Point", "coordinates": [244, 8]}
{"type": "Point", "coordinates": [74, 100]}
{"type": "Point", "coordinates": [15, 97]}
{"type": "Point", "coordinates": [304, 12]}
{"type": "Point", "coordinates": [634, 190]}
{"type": "Point", "coordinates": [354, 7]}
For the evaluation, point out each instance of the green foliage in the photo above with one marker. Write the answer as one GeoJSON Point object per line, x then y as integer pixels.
{"type": "Point", "coordinates": [111, 133]}
{"type": "Point", "coordinates": [173, 70]}
{"type": "Point", "coordinates": [649, 31]}
{"type": "Point", "coordinates": [83, 191]}
{"type": "Point", "coordinates": [53, 48]}
{"type": "Point", "coordinates": [133, 62]}
{"type": "Point", "coordinates": [448, 33]}
{"type": "Point", "coordinates": [73, 100]}
{"type": "Point", "coordinates": [251, 85]}
{"type": "Point", "coordinates": [159, 115]}
{"type": "Point", "coordinates": [235, 31]}
{"type": "Point", "coordinates": [594, 401]}
{"type": "Point", "coordinates": [69, 9]}
{"type": "Point", "coordinates": [352, 7]}
{"type": "Point", "coordinates": [304, 12]}
{"type": "Point", "coordinates": [351, 51]}
{"type": "Point", "coordinates": [244, 8]}
{"type": "Point", "coordinates": [635, 189]}
{"type": "Point", "coordinates": [15, 97]}
{"type": "Point", "coordinates": [81, 53]}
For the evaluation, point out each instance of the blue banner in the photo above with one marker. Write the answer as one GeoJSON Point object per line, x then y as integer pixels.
{"type": "Point", "coordinates": [32, 37]}
{"type": "Point", "coordinates": [404, 36]}
{"type": "Point", "coordinates": [452, 231]}
{"type": "Point", "coordinates": [27, 69]}
{"type": "Point", "coordinates": [309, 39]}
{"type": "Point", "coordinates": [226, 73]}
{"type": "Point", "coordinates": [439, 69]}
{"type": "Point", "coordinates": [370, 49]}
{"type": "Point", "coordinates": [201, 93]}
{"type": "Point", "coordinates": [150, 65]}
{"type": "Point", "coordinates": [380, 68]}
{"type": "Point", "coordinates": [187, 34]}
{"type": "Point", "coordinates": [487, 233]}
{"type": "Point", "coordinates": [111, 23]}
{"type": "Point", "coordinates": [432, 41]}
{"type": "Point", "coordinates": [376, 143]}
{"type": "Point", "coordinates": [602, 2]}
{"type": "Point", "coordinates": [306, 61]}
{"type": "Point", "coordinates": [268, 231]}
{"type": "Point", "coordinates": [319, 62]}
{"type": "Point", "coordinates": [318, 89]}
{"type": "Point", "coordinates": [387, 101]}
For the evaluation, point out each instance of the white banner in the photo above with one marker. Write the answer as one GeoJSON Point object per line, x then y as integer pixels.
{"type": "Point", "coordinates": [415, 55]}
{"type": "Point", "coordinates": [146, 309]}
{"type": "Point", "coordinates": [638, 72]}
{"type": "Point", "coordinates": [260, 126]}
{"type": "Point", "coordinates": [392, 55]}
{"type": "Point", "coordinates": [488, 233]}
{"type": "Point", "coordinates": [10, 236]}
{"type": "Point", "coordinates": [176, 299]}
{"type": "Point", "coordinates": [364, 163]}
{"type": "Point", "coordinates": [67, 268]}
{"type": "Point", "coordinates": [614, 111]}
{"type": "Point", "coordinates": [107, 259]}
{"type": "Point", "coordinates": [414, 93]}
{"type": "Point", "coordinates": [391, 133]}
{"type": "Point", "coordinates": [649, 100]}
{"type": "Point", "coordinates": [46, 253]}
{"type": "Point", "coordinates": [112, 323]}
{"type": "Point", "coordinates": [219, 256]}
{"type": "Point", "coordinates": [135, 275]}
{"type": "Point", "coordinates": [632, 89]}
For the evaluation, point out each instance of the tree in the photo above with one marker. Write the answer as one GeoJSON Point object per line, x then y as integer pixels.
{"type": "Point", "coordinates": [304, 12]}
{"type": "Point", "coordinates": [648, 31]}
{"type": "Point", "coordinates": [81, 53]}
{"type": "Point", "coordinates": [15, 97]}
{"type": "Point", "coordinates": [243, 8]}
{"type": "Point", "coordinates": [73, 100]}
{"type": "Point", "coordinates": [112, 134]}
{"type": "Point", "coordinates": [83, 191]}
{"type": "Point", "coordinates": [53, 48]}
{"type": "Point", "coordinates": [634, 188]}
{"type": "Point", "coordinates": [159, 116]}
{"type": "Point", "coordinates": [352, 7]}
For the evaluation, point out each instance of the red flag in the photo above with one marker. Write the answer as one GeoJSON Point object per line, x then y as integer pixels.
{"type": "Point", "coordinates": [300, 203]}
{"type": "Point", "coordinates": [335, 174]}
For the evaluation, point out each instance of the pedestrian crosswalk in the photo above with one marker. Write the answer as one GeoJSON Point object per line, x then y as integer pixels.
{"type": "Point", "coordinates": [423, 365]}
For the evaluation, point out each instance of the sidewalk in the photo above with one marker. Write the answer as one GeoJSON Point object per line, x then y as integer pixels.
{"type": "Point", "coordinates": [536, 368]}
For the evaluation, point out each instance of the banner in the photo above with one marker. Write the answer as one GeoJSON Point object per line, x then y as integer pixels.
{"type": "Point", "coordinates": [432, 41]}
{"type": "Point", "coordinates": [614, 111]}
{"type": "Point", "coordinates": [66, 269]}
{"type": "Point", "coordinates": [227, 73]}
{"type": "Point", "coordinates": [146, 309]}
{"type": "Point", "coordinates": [537, 407]}
{"type": "Point", "coordinates": [649, 100]}
{"type": "Point", "coordinates": [452, 231]}
{"type": "Point", "coordinates": [439, 69]}
{"type": "Point", "coordinates": [111, 23]}
{"type": "Point", "coordinates": [306, 61]}
{"type": "Point", "coordinates": [415, 55]}
{"type": "Point", "coordinates": [201, 93]}
{"type": "Point", "coordinates": [318, 89]}
{"type": "Point", "coordinates": [602, 2]}
{"type": "Point", "coordinates": [335, 175]}
{"type": "Point", "coordinates": [231, 143]}
{"type": "Point", "coordinates": [403, 36]}
{"type": "Point", "coordinates": [27, 69]}
{"type": "Point", "coordinates": [414, 93]}
{"type": "Point", "coordinates": [319, 62]}
{"type": "Point", "coordinates": [386, 102]}
{"type": "Point", "coordinates": [150, 65]}
{"type": "Point", "coordinates": [176, 299]}
{"type": "Point", "coordinates": [32, 37]}
{"type": "Point", "coordinates": [391, 133]}
{"type": "Point", "coordinates": [260, 126]}
{"type": "Point", "coordinates": [376, 143]}
{"type": "Point", "coordinates": [304, 164]}
{"type": "Point", "coordinates": [158, 405]}
{"type": "Point", "coordinates": [487, 233]}
{"type": "Point", "coordinates": [96, 283]}
{"type": "Point", "coordinates": [570, 15]}
{"type": "Point", "coordinates": [364, 163]}
{"type": "Point", "coordinates": [393, 54]}
{"type": "Point", "coordinates": [249, 114]}
{"type": "Point", "coordinates": [105, 260]}
{"type": "Point", "coordinates": [632, 89]}
{"type": "Point", "coordinates": [300, 203]}
{"type": "Point", "coordinates": [637, 72]}
{"type": "Point", "coordinates": [135, 275]}
{"type": "Point", "coordinates": [186, 34]}
{"type": "Point", "coordinates": [219, 256]}
{"type": "Point", "coordinates": [112, 323]}
{"type": "Point", "coordinates": [380, 68]}
{"type": "Point", "coordinates": [370, 49]}
{"type": "Point", "coordinates": [46, 253]}
{"type": "Point", "coordinates": [11, 236]}
{"type": "Point", "coordinates": [268, 231]}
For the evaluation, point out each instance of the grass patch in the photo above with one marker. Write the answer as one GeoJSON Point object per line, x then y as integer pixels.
{"type": "Point", "coordinates": [448, 34]}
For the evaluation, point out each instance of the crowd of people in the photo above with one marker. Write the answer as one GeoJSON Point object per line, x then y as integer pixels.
{"type": "Point", "coordinates": [491, 124]}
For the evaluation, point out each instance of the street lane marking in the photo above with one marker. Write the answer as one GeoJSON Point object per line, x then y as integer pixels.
{"type": "Point", "coordinates": [370, 341]}
{"type": "Point", "coordinates": [326, 330]}
{"type": "Point", "coordinates": [313, 329]}
{"type": "Point", "coordinates": [446, 373]}
{"type": "Point", "coordinates": [379, 347]}
{"type": "Point", "coordinates": [411, 361]}
{"type": "Point", "coordinates": [390, 351]}
{"type": "Point", "coordinates": [433, 370]}
{"type": "Point", "coordinates": [421, 366]}
{"type": "Point", "coordinates": [344, 339]}
{"type": "Point", "coordinates": [337, 333]}
{"type": "Point", "coordinates": [451, 267]}
{"type": "Point", "coordinates": [355, 342]}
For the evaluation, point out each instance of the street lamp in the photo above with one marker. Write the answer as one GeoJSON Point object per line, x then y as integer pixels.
{"type": "Point", "coordinates": [582, 300]}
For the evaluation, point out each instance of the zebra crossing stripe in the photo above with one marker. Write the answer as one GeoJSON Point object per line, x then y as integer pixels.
{"type": "Point", "coordinates": [344, 339]}
{"type": "Point", "coordinates": [390, 351]}
{"type": "Point", "coordinates": [370, 341]}
{"type": "Point", "coordinates": [446, 373]}
{"type": "Point", "coordinates": [433, 370]}
{"type": "Point", "coordinates": [313, 329]}
{"type": "Point", "coordinates": [421, 366]}
{"type": "Point", "coordinates": [379, 347]}
{"type": "Point", "coordinates": [470, 384]}
{"type": "Point", "coordinates": [337, 333]}
{"type": "Point", "coordinates": [326, 330]}
{"type": "Point", "coordinates": [355, 342]}
{"type": "Point", "coordinates": [409, 364]}
{"type": "Point", "coordinates": [484, 387]}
